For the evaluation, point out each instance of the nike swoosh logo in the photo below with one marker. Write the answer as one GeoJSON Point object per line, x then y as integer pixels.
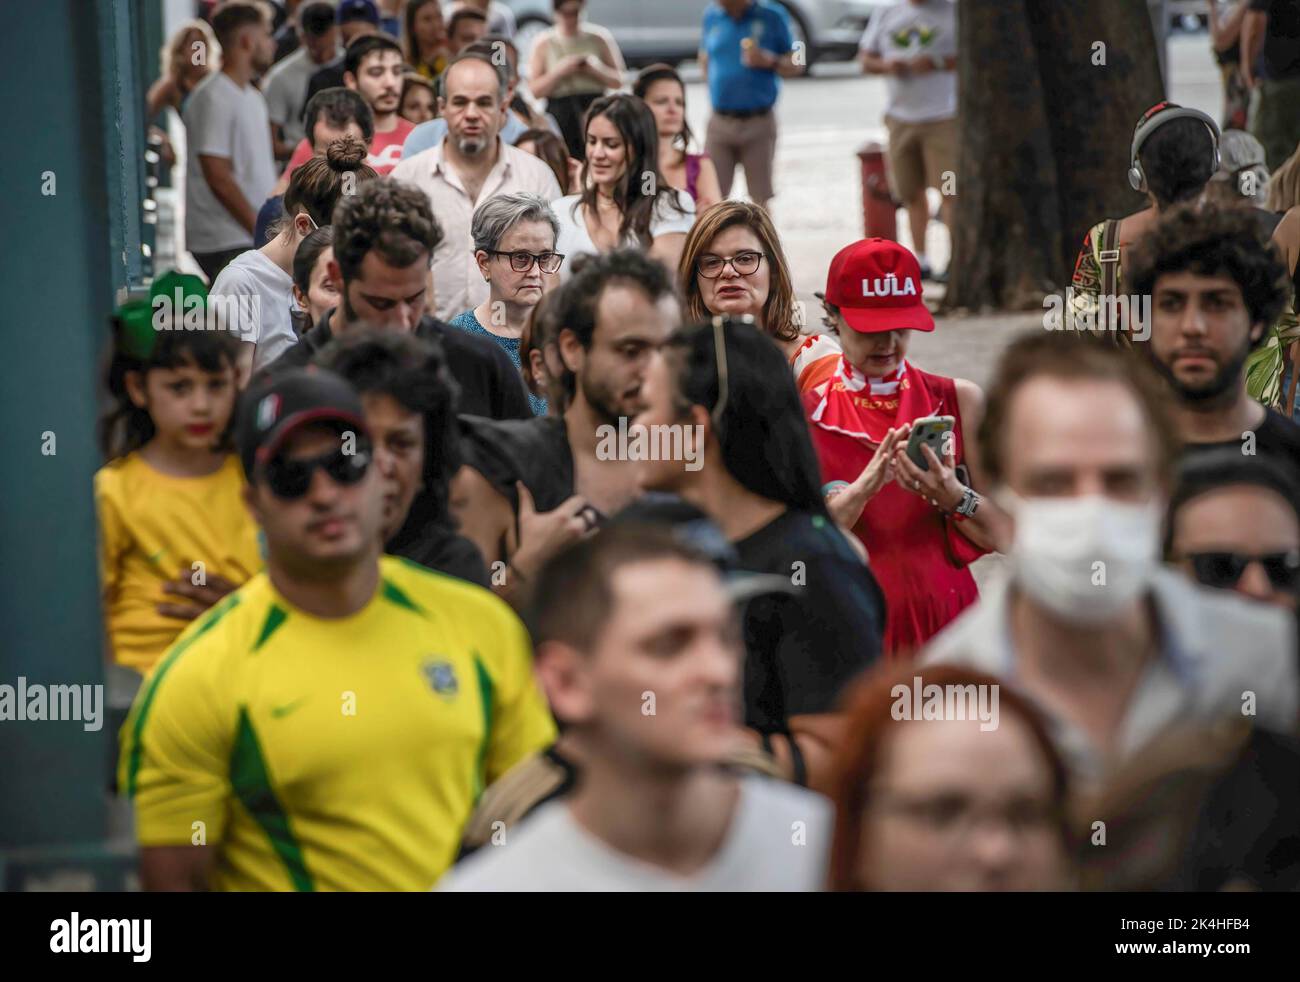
{"type": "Point", "coordinates": [278, 711]}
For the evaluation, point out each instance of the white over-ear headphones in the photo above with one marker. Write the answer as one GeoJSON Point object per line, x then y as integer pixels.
{"type": "Point", "coordinates": [1152, 120]}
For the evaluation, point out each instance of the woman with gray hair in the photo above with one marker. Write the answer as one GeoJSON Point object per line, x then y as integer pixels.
{"type": "Point", "coordinates": [514, 244]}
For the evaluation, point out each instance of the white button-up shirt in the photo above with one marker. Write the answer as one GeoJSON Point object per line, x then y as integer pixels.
{"type": "Point", "coordinates": [458, 284]}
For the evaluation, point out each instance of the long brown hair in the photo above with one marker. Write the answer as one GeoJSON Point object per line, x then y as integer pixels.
{"type": "Point", "coordinates": [636, 125]}
{"type": "Point", "coordinates": [779, 311]}
{"type": "Point", "coordinates": [412, 43]}
{"type": "Point", "coordinates": [868, 730]}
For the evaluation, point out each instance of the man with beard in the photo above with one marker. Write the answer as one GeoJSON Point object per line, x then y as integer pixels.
{"type": "Point", "coordinates": [354, 705]}
{"type": "Point", "coordinates": [1216, 284]}
{"type": "Point", "coordinates": [470, 165]}
{"type": "Point", "coordinates": [373, 66]}
{"type": "Point", "coordinates": [383, 238]}
{"type": "Point", "coordinates": [529, 488]}
{"type": "Point", "coordinates": [231, 163]}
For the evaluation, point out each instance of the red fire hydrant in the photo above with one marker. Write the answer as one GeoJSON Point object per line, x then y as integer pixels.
{"type": "Point", "coordinates": [879, 209]}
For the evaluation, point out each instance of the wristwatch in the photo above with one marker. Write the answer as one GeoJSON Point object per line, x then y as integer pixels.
{"type": "Point", "coordinates": [970, 501]}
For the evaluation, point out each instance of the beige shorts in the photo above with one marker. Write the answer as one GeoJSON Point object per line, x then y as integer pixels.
{"type": "Point", "coordinates": [920, 154]}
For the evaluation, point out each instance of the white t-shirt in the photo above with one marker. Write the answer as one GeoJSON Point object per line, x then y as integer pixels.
{"type": "Point", "coordinates": [262, 315]}
{"type": "Point", "coordinates": [574, 239]}
{"type": "Point", "coordinates": [223, 120]}
{"type": "Point", "coordinates": [285, 89]}
{"type": "Point", "coordinates": [779, 840]}
{"type": "Point", "coordinates": [907, 30]}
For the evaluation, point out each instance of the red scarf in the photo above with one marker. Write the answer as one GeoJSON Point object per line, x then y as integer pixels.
{"type": "Point", "coordinates": [866, 408]}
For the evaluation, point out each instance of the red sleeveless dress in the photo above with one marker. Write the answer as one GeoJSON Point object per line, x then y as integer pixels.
{"type": "Point", "coordinates": [917, 554]}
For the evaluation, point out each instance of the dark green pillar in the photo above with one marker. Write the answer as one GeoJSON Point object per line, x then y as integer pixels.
{"type": "Point", "coordinates": [76, 129]}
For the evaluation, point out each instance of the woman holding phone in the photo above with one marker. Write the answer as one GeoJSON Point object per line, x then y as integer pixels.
{"type": "Point", "coordinates": [914, 504]}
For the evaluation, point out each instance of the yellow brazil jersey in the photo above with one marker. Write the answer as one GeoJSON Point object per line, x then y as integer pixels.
{"type": "Point", "coordinates": [340, 754]}
{"type": "Point", "coordinates": [149, 525]}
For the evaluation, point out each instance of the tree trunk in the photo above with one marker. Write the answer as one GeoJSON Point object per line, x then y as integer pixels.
{"type": "Point", "coordinates": [1050, 91]}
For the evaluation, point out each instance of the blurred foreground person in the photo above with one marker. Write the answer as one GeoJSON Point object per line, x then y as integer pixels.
{"type": "Point", "coordinates": [639, 652]}
{"type": "Point", "coordinates": [351, 771]}
{"type": "Point", "coordinates": [723, 429]}
{"type": "Point", "coordinates": [1234, 524]}
{"type": "Point", "coordinates": [973, 797]}
{"type": "Point", "coordinates": [1111, 645]}
{"type": "Point", "coordinates": [173, 531]}
{"type": "Point", "coordinates": [1203, 807]}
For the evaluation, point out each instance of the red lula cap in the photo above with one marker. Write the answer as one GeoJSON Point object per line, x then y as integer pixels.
{"type": "Point", "coordinates": [876, 284]}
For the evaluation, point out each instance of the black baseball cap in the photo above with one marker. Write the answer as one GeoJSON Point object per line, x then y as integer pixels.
{"type": "Point", "coordinates": [276, 405]}
{"type": "Point", "coordinates": [350, 10]}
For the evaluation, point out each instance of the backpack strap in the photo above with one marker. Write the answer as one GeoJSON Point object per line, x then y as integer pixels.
{"type": "Point", "coordinates": [1108, 260]}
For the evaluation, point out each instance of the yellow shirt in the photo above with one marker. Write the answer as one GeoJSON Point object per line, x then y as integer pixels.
{"type": "Point", "coordinates": [341, 754]}
{"type": "Point", "coordinates": [149, 524]}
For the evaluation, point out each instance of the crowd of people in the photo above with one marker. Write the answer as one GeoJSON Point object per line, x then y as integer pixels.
{"type": "Point", "coordinates": [515, 531]}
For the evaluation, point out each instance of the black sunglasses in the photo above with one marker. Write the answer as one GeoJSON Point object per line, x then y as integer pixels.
{"type": "Point", "coordinates": [522, 262]}
{"type": "Point", "coordinates": [290, 479]}
{"type": "Point", "coordinates": [1224, 569]}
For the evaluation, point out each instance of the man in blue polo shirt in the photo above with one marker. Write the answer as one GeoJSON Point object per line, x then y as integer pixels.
{"type": "Point", "coordinates": [745, 49]}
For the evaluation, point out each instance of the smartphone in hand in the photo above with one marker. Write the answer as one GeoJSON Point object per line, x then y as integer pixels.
{"type": "Point", "coordinates": [929, 431]}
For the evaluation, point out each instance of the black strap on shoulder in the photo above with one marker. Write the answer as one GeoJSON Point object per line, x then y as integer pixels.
{"type": "Point", "coordinates": [1108, 257]}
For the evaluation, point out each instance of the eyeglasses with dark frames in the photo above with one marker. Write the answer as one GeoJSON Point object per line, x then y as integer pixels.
{"type": "Point", "coordinates": [522, 262]}
{"type": "Point", "coordinates": [744, 263]}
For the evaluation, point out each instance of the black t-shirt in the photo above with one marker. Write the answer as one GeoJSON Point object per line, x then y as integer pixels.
{"type": "Point", "coordinates": [1280, 56]}
{"type": "Point", "coordinates": [1277, 439]}
{"type": "Point", "coordinates": [804, 646]}
{"type": "Point", "coordinates": [535, 451]}
{"type": "Point", "coordinates": [437, 546]}
{"type": "Point", "coordinates": [488, 382]}
{"type": "Point", "coordinates": [1249, 824]}
{"type": "Point", "coordinates": [328, 76]}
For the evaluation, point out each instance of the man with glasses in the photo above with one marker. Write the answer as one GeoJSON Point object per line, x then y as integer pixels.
{"type": "Point", "coordinates": [1115, 648]}
{"type": "Point", "coordinates": [514, 245]}
{"type": "Point", "coordinates": [1216, 285]}
{"type": "Point", "coordinates": [384, 239]}
{"type": "Point", "coordinates": [1234, 524]}
{"type": "Point", "coordinates": [470, 165]}
{"type": "Point", "coordinates": [273, 749]}
{"type": "Point", "coordinates": [529, 488]}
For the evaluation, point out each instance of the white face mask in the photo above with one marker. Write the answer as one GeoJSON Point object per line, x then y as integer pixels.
{"type": "Point", "coordinates": [1087, 558]}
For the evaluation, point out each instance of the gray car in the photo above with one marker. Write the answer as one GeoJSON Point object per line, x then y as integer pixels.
{"type": "Point", "coordinates": [669, 30]}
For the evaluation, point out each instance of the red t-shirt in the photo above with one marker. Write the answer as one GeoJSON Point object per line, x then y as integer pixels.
{"type": "Point", "coordinates": [385, 149]}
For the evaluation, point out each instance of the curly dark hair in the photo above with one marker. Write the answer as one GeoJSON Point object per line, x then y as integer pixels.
{"type": "Point", "coordinates": [576, 302]}
{"type": "Point", "coordinates": [1178, 159]}
{"type": "Point", "coordinates": [1215, 240]}
{"type": "Point", "coordinates": [392, 218]}
{"type": "Point", "coordinates": [413, 371]}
